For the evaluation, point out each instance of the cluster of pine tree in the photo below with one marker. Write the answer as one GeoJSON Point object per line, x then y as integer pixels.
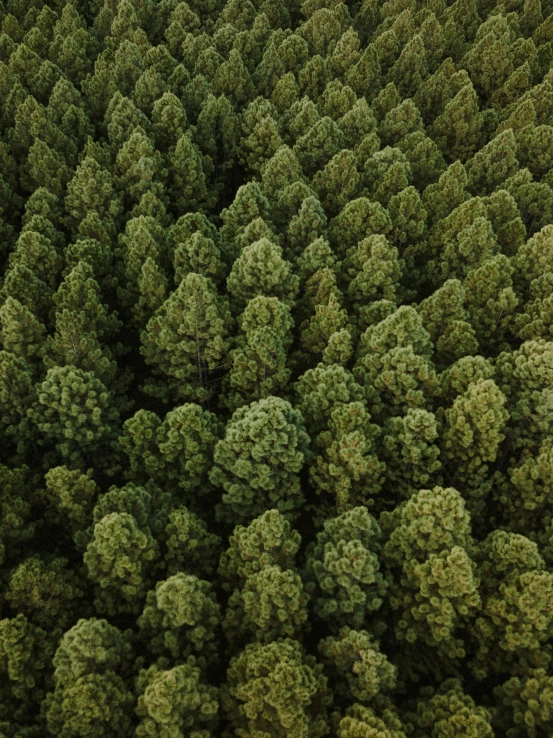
{"type": "Point", "coordinates": [276, 368]}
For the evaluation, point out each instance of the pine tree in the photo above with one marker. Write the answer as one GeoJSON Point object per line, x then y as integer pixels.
{"type": "Point", "coordinates": [21, 333]}
{"type": "Point", "coordinates": [185, 340]}
{"type": "Point", "coordinates": [433, 581]}
{"type": "Point", "coordinates": [524, 700]}
{"type": "Point", "coordinates": [364, 77]}
{"type": "Point", "coordinates": [457, 129]}
{"type": "Point", "coordinates": [271, 604]}
{"type": "Point", "coordinates": [257, 463]}
{"type": "Point", "coordinates": [176, 699]}
{"type": "Point", "coordinates": [374, 270]}
{"type": "Point", "coordinates": [185, 442]}
{"type": "Point", "coordinates": [315, 148]}
{"type": "Point", "coordinates": [446, 320]}
{"type": "Point", "coordinates": [410, 69]}
{"type": "Point", "coordinates": [492, 164]}
{"type": "Point", "coordinates": [91, 189]}
{"type": "Point", "coordinates": [75, 416]}
{"type": "Point", "coordinates": [471, 437]}
{"type": "Point", "coordinates": [188, 186]}
{"type": "Point", "coordinates": [491, 302]}
{"type": "Point", "coordinates": [346, 466]}
{"type": "Point", "coordinates": [261, 137]}
{"type": "Point", "coordinates": [261, 270]}
{"type": "Point", "coordinates": [117, 559]}
{"type": "Point", "coordinates": [343, 569]}
{"type": "Point", "coordinates": [73, 494]}
{"type": "Point", "coordinates": [338, 182]}
{"type": "Point", "coordinates": [514, 582]}
{"type": "Point", "coordinates": [360, 670]}
{"type": "Point", "coordinates": [410, 452]}
{"type": "Point", "coordinates": [393, 364]}
{"type": "Point", "coordinates": [308, 224]}
{"type": "Point", "coordinates": [93, 699]}
{"type": "Point", "coordinates": [449, 709]}
{"type": "Point", "coordinates": [16, 396]}
{"type": "Point", "coordinates": [168, 121]}
{"type": "Point", "coordinates": [180, 619]}
{"type": "Point", "coordinates": [269, 540]}
{"type": "Point", "coordinates": [298, 705]}
{"type": "Point", "coordinates": [361, 720]}
{"type": "Point", "coordinates": [358, 219]}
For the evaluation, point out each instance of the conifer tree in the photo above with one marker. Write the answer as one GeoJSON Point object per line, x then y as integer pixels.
{"type": "Point", "coordinates": [280, 675]}
{"type": "Point", "coordinates": [185, 441]}
{"type": "Point", "coordinates": [450, 709]}
{"type": "Point", "coordinates": [75, 416]}
{"type": "Point", "coordinates": [258, 363]}
{"type": "Point", "coordinates": [186, 339]}
{"type": "Point", "coordinates": [345, 465]}
{"type": "Point", "coordinates": [361, 720]}
{"type": "Point", "coordinates": [433, 581]}
{"type": "Point", "coordinates": [457, 129]}
{"type": "Point", "coordinates": [343, 569]}
{"type": "Point", "coordinates": [354, 657]}
{"type": "Point", "coordinates": [16, 396]}
{"type": "Point", "coordinates": [176, 699]}
{"type": "Point", "coordinates": [181, 618]}
{"type": "Point", "coordinates": [269, 540]}
{"type": "Point", "coordinates": [270, 605]}
{"type": "Point", "coordinates": [393, 364]}
{"type": "Point", "coordinates": [257, 463]}
{"type": "Point", "coordinates": [117, 560]}
{"type": "Point", "coordinates": [261, 270]}
{"type": "Point", "coordinates": [188, 185]}
{"type": "Point", "coordinates": [445, 318]}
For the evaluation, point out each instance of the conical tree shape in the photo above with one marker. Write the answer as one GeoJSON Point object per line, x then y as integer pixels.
{"type": "Point", "coordinates": [186, 340]}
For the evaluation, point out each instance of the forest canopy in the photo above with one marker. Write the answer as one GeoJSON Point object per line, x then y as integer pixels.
{"type": "Point", "coordinates": [276, 368]}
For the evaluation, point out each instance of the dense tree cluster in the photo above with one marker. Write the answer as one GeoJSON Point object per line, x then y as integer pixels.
{"type": "Point", "coordinates": [276, 368]}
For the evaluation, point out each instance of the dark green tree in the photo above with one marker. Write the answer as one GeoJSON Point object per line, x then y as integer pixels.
{"type": "Point", "coordinates": [185, 340]}
{"type": "Point", "coordinates": [257, 463]}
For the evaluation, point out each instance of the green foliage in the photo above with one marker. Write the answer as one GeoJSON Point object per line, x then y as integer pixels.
{"type": "Point", "coordinates": [46, 590]}
{"type": "Point", "coordinates": [393, 364]}
{"type": "Point", "coordinates": [261, 270]}
{"type": "Point", "coordinates": [185, 440]}
{"type": "Point", "coordinates": [411, 452]}
{"type": "Point", "coordinates": [75, 414]}
{"type": "Point", "coordinates": [175, 699]}
{"type": "Point", "coordinates": [362, 722]}
{"type": "Point", "coordinates": [449, 711]}
{"type": "Point", "coordinates": [117, 560]}
{"type": "Point", "coordinates": [275, 689]}
{"type": "Point", "coordinates": [472, 433]}
{"type": "Point", "coordinates": [181, 618]}
{"type": "Point", "coordinates": [186, 339]}
{"type": "Point", "coordinates": [343, 569]}
{"type": "Point", "coordinates": [276, 368]}
{"type": "Point", "coordinates": [355, 658]}
{"type": "Point", "coordinates": [91, 646]}
{"type": "Point", "coordinates": [515, 620]}
{"type": "Point", "coordinates": [345, 465]}
{"type": "Point", "coordinates": [189, 544]}
{"type": "Point", "coordinates": [524, 705]}
{"type": "Point", "coordinates": [92, 705]}
{"type": "Point", "coordinates": [72, 494]}
{"type": "Point", "coordinates": [25, 652]}
{"type": "Point", "coordinates": [321, 389]}
{"type": "Point", "coordinates": [271, 604]}
{"type": "Point", "coordinates": [432, 579]}
{"type": "Point", "coordinates": [269, 540]}
{"type": "Point", "coordinates": [257, 463]}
